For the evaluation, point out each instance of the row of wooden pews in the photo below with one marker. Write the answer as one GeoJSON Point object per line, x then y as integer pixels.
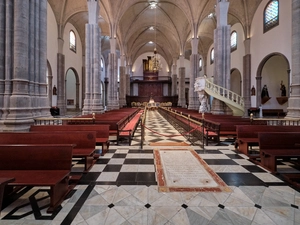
{"type": "Point", "coordinates": [117, 119]}
{"type": "Point", "coordinates": [274, 142]}
{"type": "Point", "coordinates": [247, 135]}
{"type": "Point", "coordinates": [44, 165]}
{"type": "Point", "coordinates": [43, 156]}
{"type": "Point", "coordinates": [217, 126]}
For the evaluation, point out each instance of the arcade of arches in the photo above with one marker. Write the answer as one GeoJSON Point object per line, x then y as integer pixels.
{"type": "Point", "coordinates": [99, 55]}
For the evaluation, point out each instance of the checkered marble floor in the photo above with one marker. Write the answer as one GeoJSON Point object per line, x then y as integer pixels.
{"type": "Point", "coordinates": [121, 188]}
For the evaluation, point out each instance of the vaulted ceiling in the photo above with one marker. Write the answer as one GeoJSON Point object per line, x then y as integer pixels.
{"type": "Point", "coordinates": [175, 22]}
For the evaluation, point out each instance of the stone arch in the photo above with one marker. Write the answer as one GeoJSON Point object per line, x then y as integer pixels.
{"type": "Point", "coordinates": [76, 94]}
{"type": "Point", "coordinates": [285, 76]}
{"type": "Point", "coordinates": [236, 81]}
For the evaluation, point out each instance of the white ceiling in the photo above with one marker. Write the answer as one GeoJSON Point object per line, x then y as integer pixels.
{"type": "Point", "coordinates": [176, 22]}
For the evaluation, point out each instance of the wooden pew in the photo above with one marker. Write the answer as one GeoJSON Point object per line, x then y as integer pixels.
{"type": "Point", "coordinates": [3, 182]}
{"type": "Point", "coordinates": [84, 141]}
{"type": "Point", "coordinates": [273, 112]}
{"type": "Point", "coordinates": [112, 118]}
{"type": "Point", "coordinates": [247, 135]}
{"type": "Point", "coordinates": [278, 145]}
{"type": "Point", "coordinates": [127, 129]}
{"type": "Point", "coordinates": [102, 132]}
{"type": "Point", "coordinates": [37, 165]}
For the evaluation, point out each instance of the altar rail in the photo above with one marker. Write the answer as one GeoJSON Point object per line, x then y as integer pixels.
{"type": "Point", "coordinates": [278, 121]}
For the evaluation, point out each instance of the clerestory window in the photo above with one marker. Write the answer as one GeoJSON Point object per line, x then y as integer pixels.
{"type": "Point", "coordinates": [72, 41]}
{"type": "Point", "coordinates": [212, 56]}
{"type": "Point", "coordinates": [271, 15]}
{"type": "Point", "coordinates": [233, 41]}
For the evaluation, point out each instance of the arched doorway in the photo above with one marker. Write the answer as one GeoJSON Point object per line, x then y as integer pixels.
{"type": "Point", "coordinates": [72, 90]}
{"type": "Point", "coordinates": [236, 81]}
{"type": "Point", "coordinates": [273, 71]}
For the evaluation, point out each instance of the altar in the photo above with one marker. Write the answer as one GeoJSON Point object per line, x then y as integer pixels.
{"type": "Point", "coordinates": [151, 104]}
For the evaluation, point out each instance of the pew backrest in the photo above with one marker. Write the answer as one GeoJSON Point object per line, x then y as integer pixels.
{"type": "Point", "coordinates": [36, 157]}
{"type": "Point", "coordinates": [81, 139]}
{"type": "Point", "coordinates": [279, 140]}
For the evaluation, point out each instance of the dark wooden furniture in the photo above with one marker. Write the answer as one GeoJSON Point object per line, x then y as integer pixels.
{"type": "Point", "coordinates": [273, 112]}
{"type": "Point", "coordinates": [112, 118]}
{"type": "Point", "coordinates": [84, 141]}
{"type": "Point", "coordinates": [278, 145]}
{"type": "Point", "coordinates": [127, 129]}
{"type": "Point", "coordinates": [37, 165]}
{"type": "Point", "coordinates": [102, 132]}
{"type": "Point", "coordinates": [3, 182]}
{"type": "Point", "coordinates": [247, 135]}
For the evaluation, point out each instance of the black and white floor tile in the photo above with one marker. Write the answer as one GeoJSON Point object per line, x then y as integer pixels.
{"type": "Point", "coordinates": [121, 188]}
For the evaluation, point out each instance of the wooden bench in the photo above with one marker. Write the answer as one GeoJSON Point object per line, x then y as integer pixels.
{"type": "Point", "coordinates": [37, 165]}
{"type": "Point", "coordinates": [247, 135]}
{"type": "Point", "coordinates": [84, 141]}
{"type": "Point", "coordinates": [273, 112]}
{"type": "Point", "coordinates": [102, 132]}
{"type": "Point", "coordinates": [126, 129]}
{"type": "Point", "coordinates": [112, 118]}
{"type": "Point", "coordinates": [3, 182]}
{"type": "Point", "coordinates": [278, 145]}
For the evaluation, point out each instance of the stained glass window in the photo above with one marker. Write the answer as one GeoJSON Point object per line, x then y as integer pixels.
{"type": "Point", "coordinates": [271, 15]}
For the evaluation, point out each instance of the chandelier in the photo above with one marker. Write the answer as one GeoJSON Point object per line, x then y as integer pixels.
{"type": "Point", "coordinates": [156, 63]}
{"type": "Point", "coordinates": [155, 59]}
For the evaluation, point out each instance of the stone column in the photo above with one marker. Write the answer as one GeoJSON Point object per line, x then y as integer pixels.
{"type": "Point", "coordinates": [181, 89]}
{"type": "Point", "coordinates": [247, 77]}
{"type": "Point", "coordinates": [128, 72]}
{"type": "Point", "coordinates": [50, 93]}
{"type": "Point", "coordinates": [92, 101]}
{"type": "Point", "coordinates": [113, 101]}
{"type": "Point", "coordinates": [258, 91]}
{"type": "Point", "coordinates": [122, 84]}
{"type": "Point", "coordinates": [294, 98]}
{"type": "Point", "coordinates": [61, 98]}
{"type": "Point", "coordinates": [174, 78]}
{"type": "Point", "coordinates": [6, 56]}
{"type": "Point", "coordinates": [42, 88]}
{"type": "Point", "coordinates": [25, 52]}
{"type": "Point", "coordinates": [20, 117]}
{"type": "Point", "coordinates": [194, 60]}
{"type": "Point", "coordinates": [222, 54]}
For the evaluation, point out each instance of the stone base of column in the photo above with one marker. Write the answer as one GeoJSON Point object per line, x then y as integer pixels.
{"type": "Point", "coordinates": [113, 104]}
{"type": "Point", "coordinates": [218, 107]}
{"type": "Point", "coordinates": [20, 117]}
{"type": "Point", "coordinates": [294, 108]}
{"type": "Point", "coordinates": [87, 107]}
{"type": "Point", "coordinates": [228, 110]}
{"type": "Point", "coordinates": [182, 102]}
{"type": "Point", "coordinates": [194, 104]}
{"type": "Point", "coordinates": [122, 102]}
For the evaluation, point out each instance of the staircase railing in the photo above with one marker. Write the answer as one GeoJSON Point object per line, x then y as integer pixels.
{"type": "Point", "coordinates": [225, 93]}
{"type": "Point", "coordinates": [230, 98]}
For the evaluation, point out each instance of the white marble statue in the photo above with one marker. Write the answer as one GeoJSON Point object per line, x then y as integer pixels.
{"type": "Point", "coordinates": [203, 102]}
